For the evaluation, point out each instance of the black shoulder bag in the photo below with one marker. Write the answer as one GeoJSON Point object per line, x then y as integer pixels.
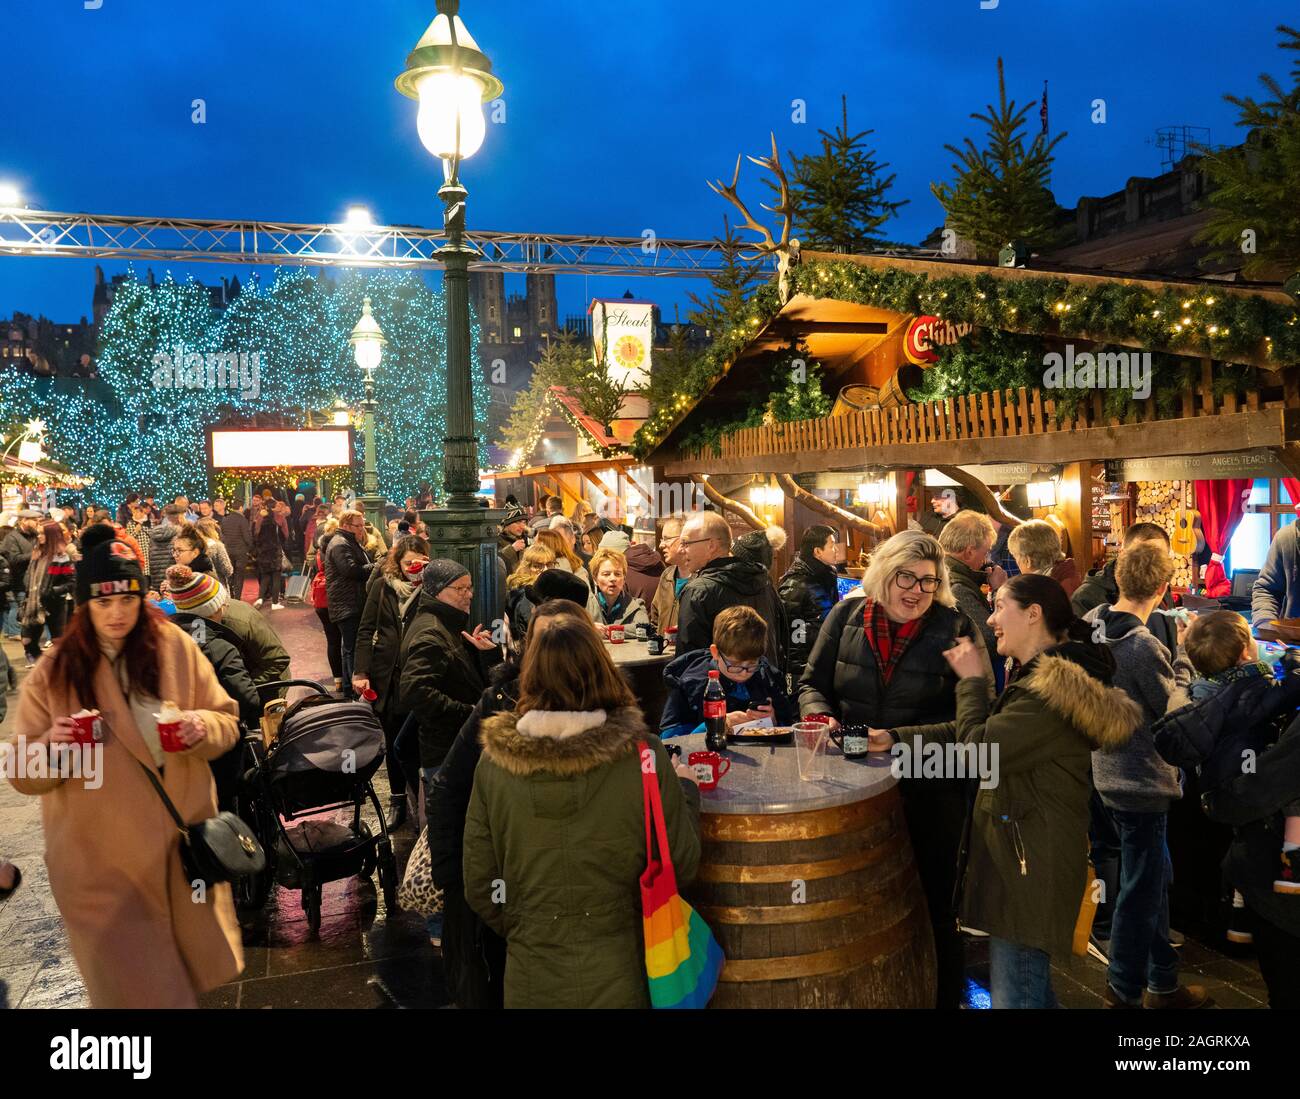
{"type": "Point", "coordinates": [221, 848]}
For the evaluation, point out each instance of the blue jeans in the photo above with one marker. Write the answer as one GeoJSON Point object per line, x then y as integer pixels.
{"type": "Point", "coordinates": [1019, 976]}
{"type": "Point", "coordinates": [1140, 954]}
{"type": "Point", "coordinates": [10, 617]}
{"type": "Point", "coordinates": [1105, 860]}
{"type": "Point", "coordinates": [432, 924]}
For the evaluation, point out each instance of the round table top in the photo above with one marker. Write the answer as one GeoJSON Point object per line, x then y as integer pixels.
{"type": "Point", "coordinates": [764, 778]}
{"type": "Point", "coordinates": [632, 654]}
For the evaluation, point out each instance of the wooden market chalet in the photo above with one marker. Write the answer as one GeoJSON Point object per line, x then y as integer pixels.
{"type": "Point", "coordinates": [1107, 466]}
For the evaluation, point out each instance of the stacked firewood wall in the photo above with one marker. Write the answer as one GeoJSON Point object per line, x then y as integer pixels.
{"type": "Point", "coordinates": [1159, 502]}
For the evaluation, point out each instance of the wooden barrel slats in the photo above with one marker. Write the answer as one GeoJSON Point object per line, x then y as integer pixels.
{"type": "Point", "coordinates": [816, 909]}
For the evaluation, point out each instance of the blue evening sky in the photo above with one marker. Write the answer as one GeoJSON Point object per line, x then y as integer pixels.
{"type": "Point", "coordinates": [617, 112]}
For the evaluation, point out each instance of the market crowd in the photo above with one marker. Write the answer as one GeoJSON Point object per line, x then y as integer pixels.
{"type": "Point", "coordinates": [515, 747]}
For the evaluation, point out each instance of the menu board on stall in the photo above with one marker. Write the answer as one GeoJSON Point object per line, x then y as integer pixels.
{"type": "Point", "coordinates": [1100, 508]}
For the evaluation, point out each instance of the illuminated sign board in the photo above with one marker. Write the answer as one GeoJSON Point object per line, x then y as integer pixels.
{"type": "Point", "coordinates": [266, 449]}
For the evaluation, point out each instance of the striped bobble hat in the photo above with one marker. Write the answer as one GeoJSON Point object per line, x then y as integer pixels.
{"type": "Point", "coordinates": [195, 592]}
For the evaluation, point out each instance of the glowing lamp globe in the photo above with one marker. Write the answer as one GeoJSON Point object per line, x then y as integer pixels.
{"type": "Point", "coordinates": [367, 340]}
{"type": "Point", "coordinates": [451, 78]}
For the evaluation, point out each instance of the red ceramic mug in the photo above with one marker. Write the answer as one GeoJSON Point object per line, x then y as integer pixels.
{"type": "Point", "coordinates": [709, 768]}
{"type": "Point", "coordinates": [370, 694]}
{"type": "Point", "coordinates": [616, 634]}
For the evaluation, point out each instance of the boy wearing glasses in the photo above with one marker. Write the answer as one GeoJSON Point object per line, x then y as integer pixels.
{"type": "Point", "coordinates": [753, 689]}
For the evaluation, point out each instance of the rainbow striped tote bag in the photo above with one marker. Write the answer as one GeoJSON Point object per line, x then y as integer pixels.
{"type": "Point", "coordinates": [682, 958]}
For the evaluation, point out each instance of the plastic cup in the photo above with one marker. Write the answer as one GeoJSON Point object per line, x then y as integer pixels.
{"type": "Point", "coordinates": [810, 749]}
{"type": "Point", "coordinates": [169, 733]}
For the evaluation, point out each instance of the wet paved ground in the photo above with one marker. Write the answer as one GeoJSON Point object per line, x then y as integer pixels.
{"type": "Point", "coordinates": [365, 957]}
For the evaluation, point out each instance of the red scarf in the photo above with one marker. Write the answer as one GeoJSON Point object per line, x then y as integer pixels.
{"type": "Point", "coordinates": [888, 639]}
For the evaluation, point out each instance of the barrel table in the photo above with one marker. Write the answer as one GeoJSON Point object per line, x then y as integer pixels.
{"type": "Point", "coordinates": [810, 886]}
{"type": "Point", "coordinates": [645, 673]}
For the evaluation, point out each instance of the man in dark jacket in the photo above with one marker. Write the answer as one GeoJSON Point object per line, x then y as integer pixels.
{"type": "Point", "coordinates": [347, 568]}
{"type": "Point", "coordinates": [200, 602]}
{"type": "Point", "coordinates": [1276, 592]}
{"type": "Point", "coordinates": [718, 581]}
{"type": "Point", "coordinates": [160, 545]}
{"type": "Point", "coordinates": [512, 540]}
{"type": "Point", "coordinates": [264, 655]}
{"type": "Point", "coordinates": [644, 567]}
{"type": "Point", "coordinates": [16, 548]}
{"type": "Point", "coordinates": [809, 589]}
{"type": "Point", "coordinates": [237, 537]}
{"type": "Point", "coordinates": [967, 540]}
{"type": "Point", "coordinates": [1101, 587]}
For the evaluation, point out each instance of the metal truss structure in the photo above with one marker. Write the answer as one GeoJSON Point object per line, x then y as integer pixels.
{"type": "Point", "coordinates": [198, 240]}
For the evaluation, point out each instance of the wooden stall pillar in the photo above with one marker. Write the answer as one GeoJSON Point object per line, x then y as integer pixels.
{"type": "Point", "coordinates": [1074, 506]}
{"type": "Point", "coordinates": [900, 498]}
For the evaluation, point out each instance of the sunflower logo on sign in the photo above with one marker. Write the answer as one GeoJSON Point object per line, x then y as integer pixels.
{"type": "Point", "coordinates": [629, 351]}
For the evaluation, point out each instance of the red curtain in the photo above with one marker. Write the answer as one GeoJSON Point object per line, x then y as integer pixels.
{"type": "Point", "coordinates": [1221, 504]}
{"type": "Point", "coordinates": [1293, 490]}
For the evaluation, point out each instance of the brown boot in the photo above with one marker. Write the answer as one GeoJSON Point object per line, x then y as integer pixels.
{"type": "Point", "coordinates": [1113, 999]}
{"type": "Point", "coordinates": [1184, 997]}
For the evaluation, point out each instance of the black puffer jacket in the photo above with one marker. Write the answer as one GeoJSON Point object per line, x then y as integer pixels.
{"type": "Point", "coordinates": [160, 553]}
{"type": "Point", "coordinates": [842, 677]}
{"type": "Point", "coordinates": [237, 535]}
{"type": "Point", "coordinates": [268, 545]}
{"type": "Point", "coordinates": [346, 570]}
{"type": "Point", "coordinates": [379, 640]}
{"type": "Point", "coordinates": [1102, 587]}
{"type": "Point", "coordinates": [808, 591]}
{"type": "Point", "coordinates": [443, 675]}
{"type": "Point", "coordinates": [731, 582]}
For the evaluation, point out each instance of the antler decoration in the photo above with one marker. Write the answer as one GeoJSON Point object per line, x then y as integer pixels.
{"type": "Point", "coordinates": [786, 250]}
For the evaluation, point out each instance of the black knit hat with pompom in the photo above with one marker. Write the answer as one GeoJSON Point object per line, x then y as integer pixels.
{"type": "Point", "coordinates": [107, 566]}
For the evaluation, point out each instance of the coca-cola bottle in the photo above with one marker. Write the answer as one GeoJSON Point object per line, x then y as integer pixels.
{"type": "Point", "coordinates": [715, 714]}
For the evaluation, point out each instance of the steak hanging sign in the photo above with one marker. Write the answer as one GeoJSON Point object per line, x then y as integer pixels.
{"type": "Point", "coordinates": [925, 335]}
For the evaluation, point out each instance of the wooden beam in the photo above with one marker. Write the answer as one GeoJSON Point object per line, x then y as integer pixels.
{"type": "Point", "coordinates": [982, 493]}
{"type": "Point", "coordinates": [728, 504]}
{"type": "Point", "coordinates": [1273, 427]}
{"type": "Point", "coordinates": [814, 502]}
{"type": "Point", "coordinates": [1289, 456]}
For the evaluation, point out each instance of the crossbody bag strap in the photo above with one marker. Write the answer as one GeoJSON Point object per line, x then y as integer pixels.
{"type": "Point", "coordinates": [180, 823]}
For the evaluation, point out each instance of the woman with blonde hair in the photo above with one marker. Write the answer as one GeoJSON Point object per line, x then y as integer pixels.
{"type": "Point", "coordinates": [878, 662]}
{"type": "Point", "coordinates": [565, 559]}
{"type": "Point", "coordinates": [557, 813]}
{"type": "Point", "coordinates": [534, 561]}
{"type": "Point", "coordinates": [611, 603]}
{"type": "Point", "coordinates": [215, 549]}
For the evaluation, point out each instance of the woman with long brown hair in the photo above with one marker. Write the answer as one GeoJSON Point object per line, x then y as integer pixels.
{"type": "Point", "coordinates": [142, 934]}
{"type": "Point", "coordinates": [557, 814]}
{"type": "Point", "coordinates": [390, 606]}
{"type": "Point", "coordinates": [565, 558]}
{"type": "Point", "coordinates": [49, 583]}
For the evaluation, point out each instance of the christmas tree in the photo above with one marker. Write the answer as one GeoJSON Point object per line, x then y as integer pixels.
{"type": "Point", "coordinates": [840, 194]}
{"type": "Point", "coordinates": [172, 369]}
{"type": "Point", "coordinates": [732, 285]}
{"type": "Point", "coordinates": [1255, 212]}
{"type": "Point", "coordinates": [1002, 193]}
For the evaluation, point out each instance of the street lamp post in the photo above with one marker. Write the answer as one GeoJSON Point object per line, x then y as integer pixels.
{"type": "Point", "coordinates": [368, 345]}
{"type": "Point", "coordinates": [452, 78]}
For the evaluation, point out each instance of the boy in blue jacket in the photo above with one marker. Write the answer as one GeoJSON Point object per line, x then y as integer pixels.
{"type": "Point", "coordinates": [753, 688]}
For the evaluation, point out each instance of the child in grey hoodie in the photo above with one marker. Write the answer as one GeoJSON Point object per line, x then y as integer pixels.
{"type": "Point", "coordinates": [1137, 788]}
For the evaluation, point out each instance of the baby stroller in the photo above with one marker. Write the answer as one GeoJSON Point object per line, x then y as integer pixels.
{"type": "Point", "coordinates": [322, 759]}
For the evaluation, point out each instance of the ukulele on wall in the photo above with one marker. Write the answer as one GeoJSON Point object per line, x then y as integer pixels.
{"type": "Point", "coordinates": [1183, 539]}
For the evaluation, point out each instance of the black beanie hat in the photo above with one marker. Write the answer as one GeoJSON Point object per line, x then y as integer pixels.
{"type": "Point", "coordinates": [440, 572]}
{"type": "Point", "coordinates": [107, 566]}
{"type": "Point", "coordinates": [557, 584]}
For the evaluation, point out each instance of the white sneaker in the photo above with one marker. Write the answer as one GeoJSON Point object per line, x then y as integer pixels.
{"type": "Point", "coordinates": [257, 603]}
{"type": "Point", "coordinates": [277, 606]}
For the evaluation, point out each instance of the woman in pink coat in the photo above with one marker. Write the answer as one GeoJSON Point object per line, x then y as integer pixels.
{"type": "Point", "coordinates": [142, 935]}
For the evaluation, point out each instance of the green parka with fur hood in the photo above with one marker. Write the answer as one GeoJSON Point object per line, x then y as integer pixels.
{"type": "Point", "coordinates": [1026, 853]}
{"type": "Point", "coordinates": [555, 849]}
